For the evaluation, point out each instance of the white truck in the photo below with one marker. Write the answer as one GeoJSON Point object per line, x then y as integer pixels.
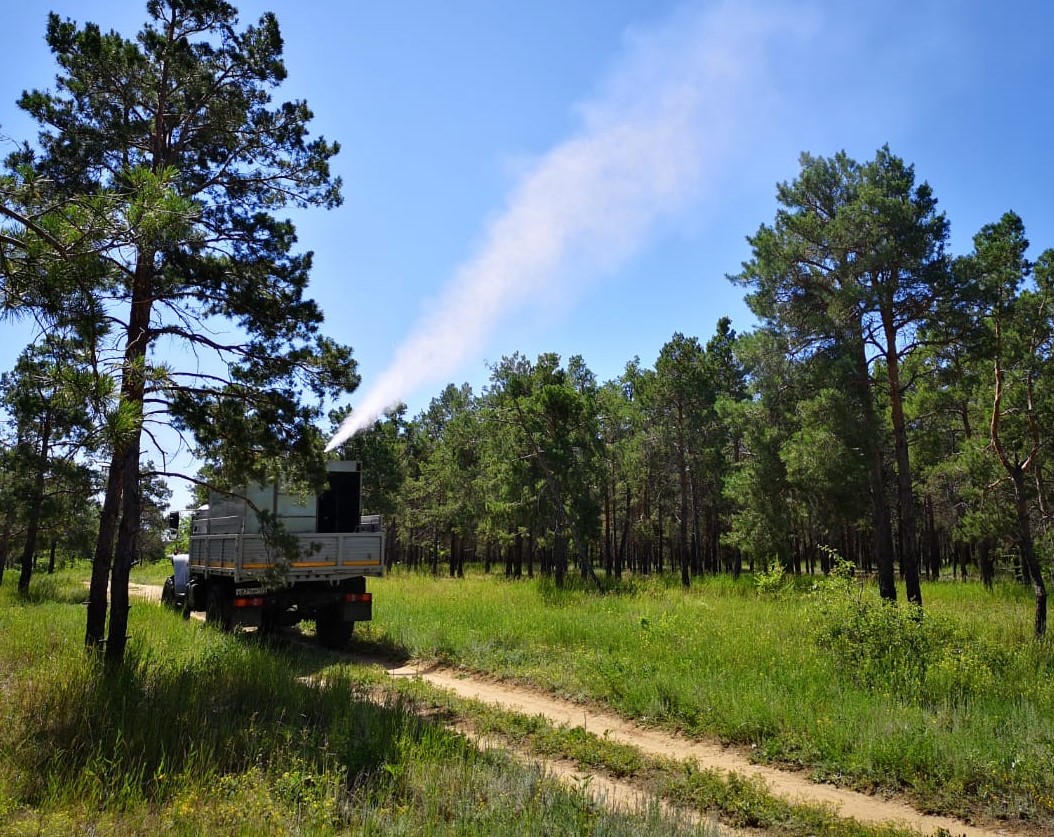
{"type": "Point", "coordinates": [237, 576]}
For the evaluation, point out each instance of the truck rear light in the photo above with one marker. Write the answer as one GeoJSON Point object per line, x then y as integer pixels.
{"type": "Point", "coordinates": [255, 601]}
{"type": "Point", "coordinates": [358, 597]}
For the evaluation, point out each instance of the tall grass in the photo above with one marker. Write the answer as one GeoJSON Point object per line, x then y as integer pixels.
{"type": "Point", "coordinates": [956, 708]}
{"type": "Point", "coordinates": [152, 572]}
{"type": "Point", "coordinates": [202, 732]}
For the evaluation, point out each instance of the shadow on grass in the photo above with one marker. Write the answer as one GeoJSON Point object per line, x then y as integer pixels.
{"type": "Point", "coordinates": [141, 730]}
{"type": "Point", "coordinates": [301, 651]}
{"type": "Point", "coordinates": [181, 709]}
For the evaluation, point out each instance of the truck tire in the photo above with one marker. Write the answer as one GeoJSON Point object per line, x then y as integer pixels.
{"type": "Point", "coordinates": [269, 622]}
{"type": "Point", "coordinates": [168, 593]}
{"type": "Point", "coordinates": [331, 629]}
{"type": "Point", "coordinates": [218, 608]}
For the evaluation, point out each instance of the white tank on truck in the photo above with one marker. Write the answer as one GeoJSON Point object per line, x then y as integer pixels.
{"type": "Point", "coordinates": [239, 572]}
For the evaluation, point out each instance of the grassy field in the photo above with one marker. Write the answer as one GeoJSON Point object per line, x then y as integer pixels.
{"type": "Point", "coordinates": [202, 732]}
{"type": "Point", "coordinates": [955, 708]}
{"type": "Point", "coordinates": [154, 572]}
{"type": "Point", "coordinates": [207, 733]}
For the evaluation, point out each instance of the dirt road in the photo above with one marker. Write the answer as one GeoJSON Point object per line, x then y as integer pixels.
{"type": "Point", "coordinates": [795, 787]}
{"type": "Point", "coordinates": [791, 786]}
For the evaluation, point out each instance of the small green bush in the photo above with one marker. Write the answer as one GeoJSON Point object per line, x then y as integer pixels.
{"type": "Point", "coordinates": [880, 646]}
{"type": "Point", "coordinates": [772, 581]}
{"type": "Point", "coordinates": [902, 651]}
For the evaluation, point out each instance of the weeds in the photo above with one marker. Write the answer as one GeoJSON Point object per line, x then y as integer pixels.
{"type": "Point", "coordinates": [734, 799]}
{"type": "Point", "coordinates": [924, 658]}
{"type": "Point", "coordinates": [955, 708]}
{"type": "Point", "coordinates": [202, 732]}
{"type": "Point", "coordinates": [771, 582]}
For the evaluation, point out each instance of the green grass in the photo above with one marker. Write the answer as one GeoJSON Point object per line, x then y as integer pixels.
{"type": "Point", "coordinates": [967, 730]}
{"type": "Point", "coordinates": [736, 800]}
{"type": "Point", "coordinates": [153, 572]}
{"type": "Point", "coordinates": [202, 732]}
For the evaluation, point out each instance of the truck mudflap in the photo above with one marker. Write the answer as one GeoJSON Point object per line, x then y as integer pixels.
{"type": "Point", "coordinates": [358, 607]}
{"type": "Point", "coordinates": [247, 611]}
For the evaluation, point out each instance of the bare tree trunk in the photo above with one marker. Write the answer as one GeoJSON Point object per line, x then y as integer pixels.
{"type": "Point", "coordinates": [5, 541]}
{"type": "Point", "coordinates": [883, 530]}
{"type": "Point", "coordinates": [657, 561]}
{"type": "Point", "coordinates": [585, 562]}
{"type": "Point", "coordinates": [95, 632]}
{"type": "Point", "coordinates": [133, 389]}
{"type": "Point", "coordinates": [1027, 550]}
{"type": "Point", "coordinates": [124, 557]}
{"type": "Point", "coordinates": [559, 557]}
{"type": "Point", "coordinates": [620, 556]}
{"type": "Point", "coordinates": [933, 543]}
{"type": "Point", "coordinates": [909, 555]}
{"type": "Point", "coordinates": [984, 562]}
{"type": "Point", "coordinates": [1016, 469]}
{"type": "Point", "coordinates": [35, 504]}
{"type": "Point", "coordinates": [682, 468]}
{"type": "Point", "coordinates": [609, 528]}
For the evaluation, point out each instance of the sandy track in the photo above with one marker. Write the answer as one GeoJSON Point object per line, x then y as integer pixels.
{"type": "Point", "coordinates": [792, 786]}
{"type": "Point", "coordinates": [613, 793]}
{"type": "Point", "coordinates": [144, 591]}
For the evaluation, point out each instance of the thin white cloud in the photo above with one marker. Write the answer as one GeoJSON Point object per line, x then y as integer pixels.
{"type": "Point", "coordinates": [664, 125]}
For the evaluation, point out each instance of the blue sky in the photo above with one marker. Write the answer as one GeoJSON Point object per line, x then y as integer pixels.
{"type": "Point", "coordinates": [579, 177]}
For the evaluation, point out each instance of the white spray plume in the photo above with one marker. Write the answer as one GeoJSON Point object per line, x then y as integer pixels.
{"type": "Point", "coordinates": [665, 123]}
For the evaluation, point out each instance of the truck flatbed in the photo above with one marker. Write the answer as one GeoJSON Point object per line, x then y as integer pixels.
{"type": "Point", "coordinates": [238, 576]}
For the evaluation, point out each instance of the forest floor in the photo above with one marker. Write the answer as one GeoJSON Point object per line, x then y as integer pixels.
{"type": "Point", "coordinates": [789, 785]}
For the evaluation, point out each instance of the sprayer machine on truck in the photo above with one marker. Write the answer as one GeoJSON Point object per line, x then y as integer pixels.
{"type": "Point", "coordinates": [240, 573]}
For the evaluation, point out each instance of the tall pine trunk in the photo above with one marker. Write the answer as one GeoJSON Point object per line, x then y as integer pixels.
{"type": "Point", "coordinates": [133, 388]}
{"type": "Point", "coordinates": [1027, 550]}
{"type": "Point", "coordinates": [909, 548]}
{"type": "Point", "coordinates": [682, 468]}
{"type": "Point", "coordinates": [5, 540]}
{"type": "Point", "coordinates": [36, 503]}
{"type": "Point", "coordinates": [95, 632]}
{"type": "Point", "coordinates": [883, 530]}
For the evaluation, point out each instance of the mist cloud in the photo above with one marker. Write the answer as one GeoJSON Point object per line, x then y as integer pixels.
{"type": "Point", "coordinates": [656, 135]}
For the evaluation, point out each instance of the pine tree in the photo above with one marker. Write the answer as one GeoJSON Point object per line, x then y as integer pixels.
{"type": "Point", "coordinates": [179, 126]}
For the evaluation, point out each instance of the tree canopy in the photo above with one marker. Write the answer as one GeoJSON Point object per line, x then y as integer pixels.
{"type": "Point", "coordinates": [174, 139]}
{"type": "Point", "coordinates": [890, 406]}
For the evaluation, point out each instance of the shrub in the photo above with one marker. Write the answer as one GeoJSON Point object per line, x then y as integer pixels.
{"type": "Point", "coordinates": [900, 650]}
{"type": "Point", "coordinates": [771, 581]}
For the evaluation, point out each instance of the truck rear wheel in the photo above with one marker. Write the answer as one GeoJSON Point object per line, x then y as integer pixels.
{"type": "Point", "coordinates": [269, 621]}
{"type": "Point", "coordinates": [218, 608]}
{"type": "Point", "coordinates": [331, 629]}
